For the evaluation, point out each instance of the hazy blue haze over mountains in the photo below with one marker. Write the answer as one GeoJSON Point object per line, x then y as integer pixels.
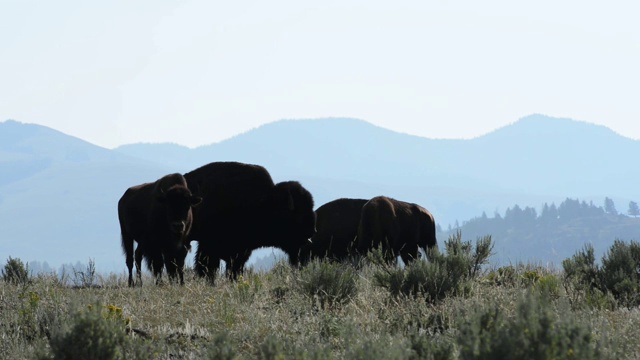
{"type": "Point", "coordinates": [58, 194]}
{"type": "Point", "coordinates": [537, 154]}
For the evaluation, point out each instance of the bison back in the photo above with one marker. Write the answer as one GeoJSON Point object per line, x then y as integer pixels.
{"type": "Point", "coordinates": [231, 194]}
{"type": "Point", "coordinates": [337, 224]}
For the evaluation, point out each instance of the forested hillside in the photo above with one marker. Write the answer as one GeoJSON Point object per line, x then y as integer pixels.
{"type": "Point", "coordinates": [554, 233]}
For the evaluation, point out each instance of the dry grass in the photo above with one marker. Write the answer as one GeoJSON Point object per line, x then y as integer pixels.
{"type": "Point", "coordinates": [273, 315]}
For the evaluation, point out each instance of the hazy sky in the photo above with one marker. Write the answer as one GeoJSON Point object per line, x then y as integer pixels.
{"type": "Point", "coordinates": [196, 72]}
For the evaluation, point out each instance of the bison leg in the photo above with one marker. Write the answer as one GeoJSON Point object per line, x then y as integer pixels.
{"type": "Point", "coordinates": [408, 255]}
{"type": "Point", "coordinates": [205, 264]}
{"type": "Point", "coordinates": [157, 263]}
{"type": "Point", "coordinates": [235, 266]}
{"type": "Point", "coordinates": [209, 267]}
{"type": "Point", "coordinates": [390, 255]}
{"type": "Point", "coordinates": [180, 264]}
{"type": "Point", "coordinates": [174, 264]}
{"type": "Point", "coordinates": [127, 246]}
{"type": "Point", "coordinates": [138, 267]}
{"type": "Point", "coordinates": [171, 265]}
{"type": "Point", "coordinates": [130, 268]}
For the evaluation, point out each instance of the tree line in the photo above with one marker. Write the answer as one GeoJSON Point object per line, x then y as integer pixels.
{"type": "Point", "coordinates": [523, 234]}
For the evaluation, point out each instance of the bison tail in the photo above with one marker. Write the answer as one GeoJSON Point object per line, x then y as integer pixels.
{"type": "Point", "coordinates": [148, 261]}
{"type": "Point", "coordinates": [126, 242]}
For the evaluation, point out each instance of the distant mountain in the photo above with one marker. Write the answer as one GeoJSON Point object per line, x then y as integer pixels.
{"type": "Point", "coordinates": [28, 149]}
{"type": "Point", "coordinates": [58, 193]}
{"type": "Point", "coordinates": [557, 156]}
{"type": "Point", "coordinates": [535, 155]}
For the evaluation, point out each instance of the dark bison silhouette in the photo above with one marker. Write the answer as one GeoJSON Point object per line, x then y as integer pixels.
{"type": "Point", "coordinates": [337, 229]}
{"type": "Point", "coordinates": [244, 210]}
{"type": "Point", "coordinates": [158, 217]}
{"type": "Point", "coordinates": [398, 227]}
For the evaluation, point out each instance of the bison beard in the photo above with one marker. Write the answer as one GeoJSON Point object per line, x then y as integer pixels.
{"type": "Point", "coordinates": [158, 217]}
{"type": "Point", "coordinates": [244, 210]}
{"type": "Point", "coordinates": [398, 227]}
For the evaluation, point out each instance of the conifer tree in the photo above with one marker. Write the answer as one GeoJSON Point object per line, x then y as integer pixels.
{"type": "Point", "coordinates": [610, 207]}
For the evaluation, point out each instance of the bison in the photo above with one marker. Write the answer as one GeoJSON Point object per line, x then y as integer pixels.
{"type": "Point", "coordinates": [337, 225]}
{"type": "Point", "coordinates": [158, 217]}
{"type": "Point", "coordinates": [398, 227]}
{"type": "Point", "coordinates": [244, 210]}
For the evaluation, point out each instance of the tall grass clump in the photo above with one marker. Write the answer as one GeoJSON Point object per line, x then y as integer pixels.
{"type": "Point", "coordinates": [15, 271]}
{"type": "Point", "coordinates": [84, 278]}
{"type": "Point", "coordinates": [445, 274]}
{"type": "Point", "coordinates": [329, 283]}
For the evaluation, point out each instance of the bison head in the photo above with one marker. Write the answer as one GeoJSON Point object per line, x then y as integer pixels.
{"type": "Point", "coordinates": [427, 239]}
{"type": "Point", "coordinates": [178, 201]}
{"type": "Point", "coordinates": [292, 215]}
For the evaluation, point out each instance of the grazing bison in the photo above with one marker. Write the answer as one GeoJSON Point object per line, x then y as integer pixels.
{"type": "Point", "coordinates": [244, 210]}
{"type": "Point", "coordinates": [337, 224]}
{"type": "Point", "coordinates": [397, 226]}
{"type": "Point", "coordinates": [158, 217]}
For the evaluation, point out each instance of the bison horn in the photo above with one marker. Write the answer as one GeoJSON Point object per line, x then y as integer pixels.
{"type": "Point", "coordinates": [162, 195]}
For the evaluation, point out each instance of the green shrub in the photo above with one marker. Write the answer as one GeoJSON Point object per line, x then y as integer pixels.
{"type": "Point", "coordinates": [617, 278]}
{"type": "Point", "coordinates": [548, 284]}
{"type": "Point", "coordinates": [581, 276]}
{"type": "Point", "coordinates": [221, 347]}
{"type": "Point", "coordinates": [619, 272]}
{"type": "Point", "coordinates": [329, 283]}
{"type": "Point", "coordinates": [15, 271]}
{"type": "Point", "coordinates": [379, 348]}
{"type": "Point", "coordinates": [271, 349]}
{"type": "Point", "coordinates": [531, 277]}
{"type": "Point", "coordinates": [275, 348]}
{"type": "Point", "coordinates": [376, 256]}
{"type": "Point", "coordinates": [471, 257]}
{"type": "Point", "coordinates": [503, 276]}
{"type": "Point", "coordinates": [91, 334]}
{"type": "Point", "coordinates": [425, 347]}
{"type": "Point", "coordinates": [434, 280]}
{"type": "Point", "coordinates": [330, 326]}
{"type": "Point", "coordinates": [581, 267]}
{"type": "Point", "coordinates": [313, 352]}
{"type": "Point", "coordinates": [533, 332]}
{"type": "Point", "coordinates": [444, 275]}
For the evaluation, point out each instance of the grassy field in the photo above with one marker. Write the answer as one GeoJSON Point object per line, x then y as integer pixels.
{"type": "Point", "coordinates": [447, 308]}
